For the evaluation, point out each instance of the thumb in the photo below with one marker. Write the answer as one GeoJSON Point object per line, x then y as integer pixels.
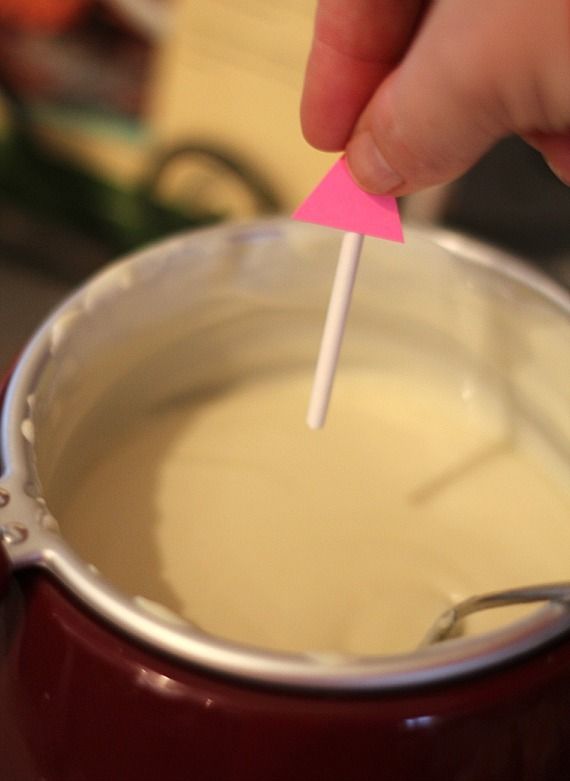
{"type": "Point", "coordinates": [463, 84]}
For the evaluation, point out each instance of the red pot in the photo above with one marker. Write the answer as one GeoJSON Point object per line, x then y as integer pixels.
{"type": "Point", "coordinates": [92, 687]}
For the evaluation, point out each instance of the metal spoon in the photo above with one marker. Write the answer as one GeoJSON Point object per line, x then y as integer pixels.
{"type": "Point", "coordinates": [448, 623]}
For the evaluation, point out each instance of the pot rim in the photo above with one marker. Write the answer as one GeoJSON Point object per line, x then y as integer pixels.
{"type": "Point", "coordinates": [31, 539]}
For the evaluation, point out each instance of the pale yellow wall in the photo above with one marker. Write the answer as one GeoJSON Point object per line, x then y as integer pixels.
{"type": "Point", "coordinates": [231, 73]}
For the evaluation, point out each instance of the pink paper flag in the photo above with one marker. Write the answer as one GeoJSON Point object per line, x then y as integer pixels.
{"type": "Point", "coordinates": [338, 202]}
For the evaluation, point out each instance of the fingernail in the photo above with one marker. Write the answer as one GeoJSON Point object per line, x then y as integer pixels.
{"type": "Point", "coordinates": [369, 166]}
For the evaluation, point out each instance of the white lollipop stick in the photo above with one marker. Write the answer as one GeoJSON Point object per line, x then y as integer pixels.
{"type": "Point", "coordinates": [338, 202]}
{"type": "Point", "coordinates": [334, 329]}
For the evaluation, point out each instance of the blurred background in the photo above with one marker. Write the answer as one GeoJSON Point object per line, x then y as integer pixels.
{"type": "Point", "coordinates": [122, 121]}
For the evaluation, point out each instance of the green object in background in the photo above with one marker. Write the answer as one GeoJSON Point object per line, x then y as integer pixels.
{"type": "Point", "coordinates": [48, 188]}
{"type": "Point", "coordinates": [68, 221]}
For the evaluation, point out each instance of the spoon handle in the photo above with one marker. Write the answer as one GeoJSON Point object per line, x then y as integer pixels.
{"type": "Point", "coordinates": [443, 627]}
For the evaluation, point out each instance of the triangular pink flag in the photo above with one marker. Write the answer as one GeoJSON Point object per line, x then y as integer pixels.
{"type": "Point", "coordinates": [338, 202]}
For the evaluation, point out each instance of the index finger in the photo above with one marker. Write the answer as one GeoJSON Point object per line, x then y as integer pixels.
{"type": "Point", "coordinates": [356, 43]}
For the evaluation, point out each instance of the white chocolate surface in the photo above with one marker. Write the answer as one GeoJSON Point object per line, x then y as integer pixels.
{"type": "Point", "coordinates": [353, 539]}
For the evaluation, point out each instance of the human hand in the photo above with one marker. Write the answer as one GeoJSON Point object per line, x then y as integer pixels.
{"type": "Point", "coordinates": [417, 91]}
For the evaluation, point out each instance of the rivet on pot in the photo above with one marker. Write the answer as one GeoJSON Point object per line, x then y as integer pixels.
{"type": "Point", "coordinates": [13, 533]}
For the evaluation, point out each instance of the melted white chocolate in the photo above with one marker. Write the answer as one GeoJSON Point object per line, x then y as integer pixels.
{"type": "Point", "coordinates": [231, 512]}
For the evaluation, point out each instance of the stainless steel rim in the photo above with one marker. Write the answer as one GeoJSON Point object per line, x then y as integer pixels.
{"type": "Point", "coordinates": [31, 541]}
